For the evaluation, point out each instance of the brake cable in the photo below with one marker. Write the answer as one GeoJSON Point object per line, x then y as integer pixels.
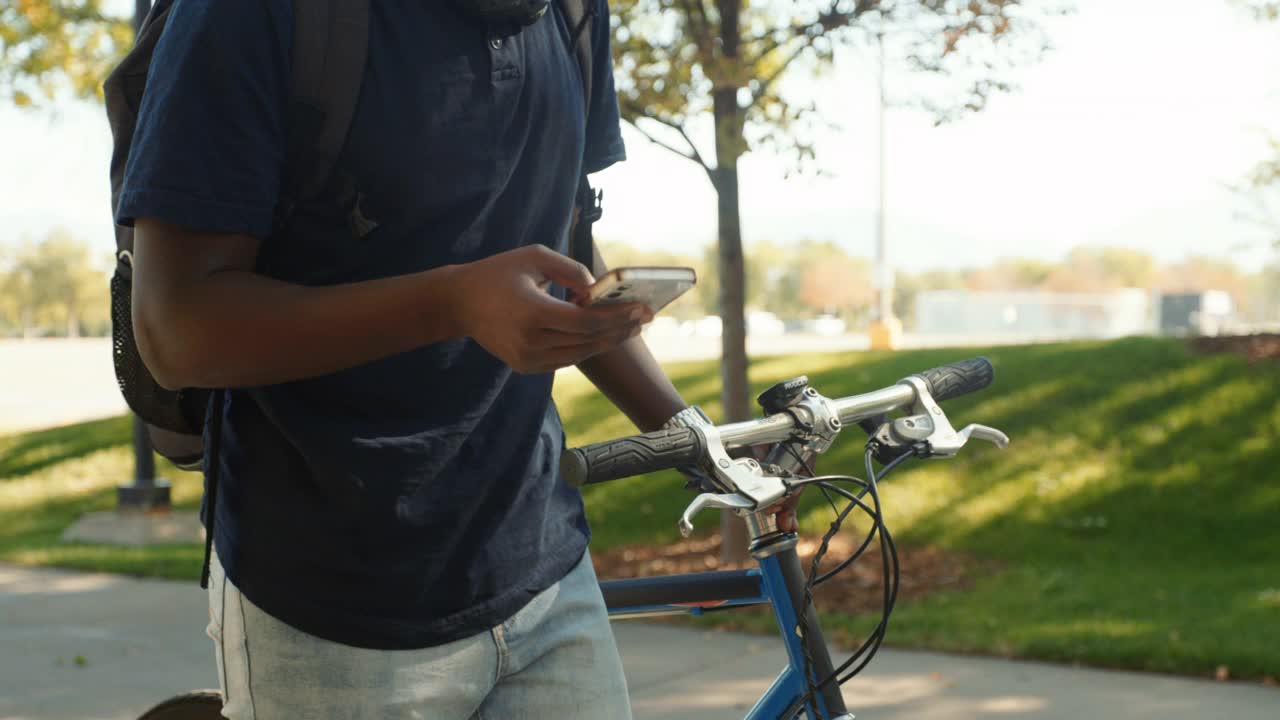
{"type": "Point", "coordinates": [890, 565]}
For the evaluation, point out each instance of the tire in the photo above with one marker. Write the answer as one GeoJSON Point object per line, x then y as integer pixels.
{"type": "Point", "coordinates": [199, 705]}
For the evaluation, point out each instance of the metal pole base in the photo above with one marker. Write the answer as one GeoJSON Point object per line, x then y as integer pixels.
{"type": "Point", "coordinates": [144, 498]}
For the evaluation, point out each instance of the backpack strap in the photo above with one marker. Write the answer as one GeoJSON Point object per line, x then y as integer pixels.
{"type": "Point", "coordinates": [578, 15]}
{"type": "Point", "coordinates": [211, 481]}
{"type": "Point", "coordinates": [330, 50]}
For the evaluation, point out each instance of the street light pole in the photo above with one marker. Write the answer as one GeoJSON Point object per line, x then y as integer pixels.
{"type": "Point", "coordinates": [146, 493]}
{"type": "Point", "coordinates": [884, 308]}
{"type": "Point", "coordinates": [885, 330]}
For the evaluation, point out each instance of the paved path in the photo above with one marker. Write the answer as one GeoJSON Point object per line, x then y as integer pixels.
{"type": "Point", "coordinates": [141, 640]}
{"type": "Point", "coordinates": [46, 383]}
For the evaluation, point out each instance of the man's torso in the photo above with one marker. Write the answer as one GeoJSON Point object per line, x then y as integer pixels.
{"type": "Point", "coordinates": [415, 499]}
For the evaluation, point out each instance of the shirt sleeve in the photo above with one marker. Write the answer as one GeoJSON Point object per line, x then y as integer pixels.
{"type": "Point", "coordinates": [604, 126]}
{"type": "Point", "coordinates": [210, 139]}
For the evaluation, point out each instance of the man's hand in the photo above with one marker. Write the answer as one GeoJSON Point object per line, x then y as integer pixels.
{"type": "Point", "coordinates": [784, 511]}
{"type": "Point", "coordinates": [504, 305]}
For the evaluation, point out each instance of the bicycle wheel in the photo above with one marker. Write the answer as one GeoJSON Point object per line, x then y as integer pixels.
{"type": "Point", "coordinates": [199, 705]}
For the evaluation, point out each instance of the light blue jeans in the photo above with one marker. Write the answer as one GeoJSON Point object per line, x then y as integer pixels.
{"type": "Point", "coordinates": [555, 658]}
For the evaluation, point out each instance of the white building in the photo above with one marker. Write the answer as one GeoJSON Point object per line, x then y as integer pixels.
{"type": "Point", "coordinates": [1034, 314]}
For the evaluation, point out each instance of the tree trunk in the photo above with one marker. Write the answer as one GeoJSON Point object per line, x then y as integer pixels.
{"type": "Point", "coordinates": [729, 125]}
{"type": "Point", "coordinates": [734, 389]}
{"type": "Point", "coordinates": [733, 282]}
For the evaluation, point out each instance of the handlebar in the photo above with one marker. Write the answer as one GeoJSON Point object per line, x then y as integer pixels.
{"type": "Point", "coordinates": [630, 456]}
{"type": "Point", "coordinates": [668, 449]}
{"type": "Point", "coordinates": [958, 378]}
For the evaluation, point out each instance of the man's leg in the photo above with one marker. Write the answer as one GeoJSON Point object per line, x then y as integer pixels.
{"type": "Point", "coordinates": [558, 657]}
{"type": "Point", "coordinates": [271, 671]}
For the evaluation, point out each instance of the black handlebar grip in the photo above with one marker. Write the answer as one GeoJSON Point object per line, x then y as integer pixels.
{"type": "Point", "coordinates": [958, 378]}
{"type": "Point", "coordinates": [629, 456]}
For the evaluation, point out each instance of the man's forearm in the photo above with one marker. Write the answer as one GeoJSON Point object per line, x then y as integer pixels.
{"type": "Point", "coordinates": [240, 329]}
{"type": "Point", "coordinates": [632, 379]}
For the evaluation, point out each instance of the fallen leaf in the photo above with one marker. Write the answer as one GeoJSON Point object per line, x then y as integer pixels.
{"type": "Point", "coordinates": [1223, 673]}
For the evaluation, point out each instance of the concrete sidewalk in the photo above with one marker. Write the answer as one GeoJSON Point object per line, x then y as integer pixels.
{"type": "Point", "coordinates": [100, 647]}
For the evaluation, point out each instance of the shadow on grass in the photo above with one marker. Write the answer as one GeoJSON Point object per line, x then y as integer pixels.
{"type": "Point", "coordinates": [25, 453]}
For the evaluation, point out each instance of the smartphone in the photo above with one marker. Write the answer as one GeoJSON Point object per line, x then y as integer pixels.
{"type": "Point", "coordinates": [656, 287]}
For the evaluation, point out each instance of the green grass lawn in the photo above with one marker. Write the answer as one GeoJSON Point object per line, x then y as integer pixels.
{"type": "Point", "coordinates": [1136, 513]}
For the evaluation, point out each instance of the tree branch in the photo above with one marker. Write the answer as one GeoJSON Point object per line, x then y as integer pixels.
{"type": "Point", "coordinates": [699, 27]}
{"type": "Point", "coordinates": [696, 156]}
{"type": "Point", "coordinates": [706, 22]}
{"type": "Point", "coordinates": [691, 154]}
{"type": "Point", "coordinates": [827, 21]}
{"type": "Point", "coordinates": [763, 88]}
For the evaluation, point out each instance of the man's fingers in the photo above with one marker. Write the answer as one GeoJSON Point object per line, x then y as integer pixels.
{"type": "Point", "coordinates": [553, 339]}
{"type": "Point", "coordinates": [785, 512]}
{"type": "Point", "coordinates": [569, 318]}
{"type": "Point", "coordinates": [555, 357]}
{"type": "Point", "coordinates": [567, 272]}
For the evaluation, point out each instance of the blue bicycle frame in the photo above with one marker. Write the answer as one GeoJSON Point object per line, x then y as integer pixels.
{"type": "Point", "coordinates": [779, 581]}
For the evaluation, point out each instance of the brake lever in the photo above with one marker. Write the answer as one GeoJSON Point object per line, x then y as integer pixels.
{"type": "Point", "coordinates": [931, 426]}
{"type": "Point", "coordinates": [729, 501]}
{"type": "Point", "coordinates": [984, 432]}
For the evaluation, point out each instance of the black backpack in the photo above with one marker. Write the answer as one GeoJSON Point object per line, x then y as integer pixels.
{"type": "Point", "coordinates": [329, 53]}
{"type": "Point", "coordinates": [331, 40]}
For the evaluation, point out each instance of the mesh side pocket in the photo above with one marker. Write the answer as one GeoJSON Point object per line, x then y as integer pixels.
{"type": "Point", "coordinates": [178, 411]}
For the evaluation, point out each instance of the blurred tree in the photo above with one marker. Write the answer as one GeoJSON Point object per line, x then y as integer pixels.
{"type": "Point", "coordinates": [51, 45]}
{"type": "Point", "coordinates": [831, 282]}
{"type": "Point", "coordinates": [1095, 269]}
{"type": "Point", "coordinates": [1126, 267]}
{"type": "Point", "coordinates": [755, 288]}
{"type": "Point", "coordinates": [778, 263]}
{"type": "Point", "coordinates": [687, 69]}
{"type": "Point", "coordinates": [1261, 188]}
{"type": "Point", "coordinates": [1011, 274]}
{"type": "Point", "coordinates": [1262, 9]}
{"type": "Point", "coordinates": [840, 287]}
{"type": "Point", "coordinates": [907, 286]}
{"type": "Point", "coordinates": [1264, 296]}
{"type": "Point", "coordinates": [769, 267]}
{"type": "Point", "coordinates": [54, 286]}
{"type": "Point", "coordinates": [15, 308]}
{"type": "Point", "coordinates": [1262, 191]}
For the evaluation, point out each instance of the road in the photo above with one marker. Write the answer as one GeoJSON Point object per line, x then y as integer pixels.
{"type": "Point", "coordinates": [45, 383]}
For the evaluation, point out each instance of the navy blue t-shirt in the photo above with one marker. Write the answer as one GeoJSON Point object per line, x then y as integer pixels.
{"type": "Point", "coordinates": [414, 500]}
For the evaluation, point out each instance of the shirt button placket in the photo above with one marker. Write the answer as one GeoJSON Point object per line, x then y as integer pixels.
{"type": "Point", "coordinates": [505, 57]}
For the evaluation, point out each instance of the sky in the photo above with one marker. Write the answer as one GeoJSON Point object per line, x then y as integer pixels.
{"type": "Point", "coordinates": [1127, 133]}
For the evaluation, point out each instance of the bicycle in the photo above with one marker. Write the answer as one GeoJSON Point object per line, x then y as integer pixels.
{"type": "Point", "coordinates": [799, 424]}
